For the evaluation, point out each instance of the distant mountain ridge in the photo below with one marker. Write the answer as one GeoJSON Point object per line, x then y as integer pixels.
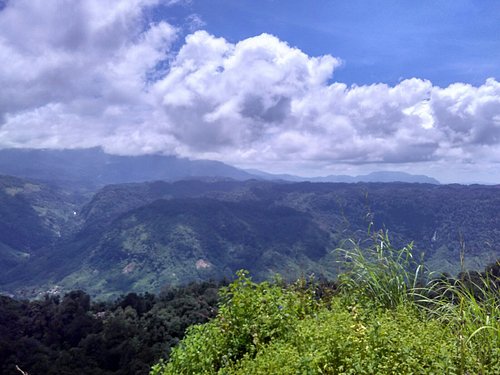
{"type": "Point", "coordinates": [93, 168]}
{"type": "Point", "coordinates": [378, 176]}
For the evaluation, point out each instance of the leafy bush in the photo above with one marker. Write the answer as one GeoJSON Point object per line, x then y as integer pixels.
{"type": "Point", "coordinates": [349, 339]}
{"type": "Point", "coordinates": [251, 316]}
{"type": "Point", "coordinates": [389, 318]}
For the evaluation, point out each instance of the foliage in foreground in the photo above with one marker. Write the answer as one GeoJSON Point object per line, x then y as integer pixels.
{"type": "Point", "coordinates": [73, 335]}
{"type": "Point", "coordinates": [389, 318]}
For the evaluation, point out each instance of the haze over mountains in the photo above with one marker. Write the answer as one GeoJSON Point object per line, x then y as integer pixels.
{"type": "Point", "coordinates": [108, 224]}
{"type": "Point", "coordinates": [380, 176]}
{"type": "Point", "coordinates": [95, 168]}
{"type": "Point", "coordinates": [142, 236]}
{"type": "Point", "coordinates": [153, 153]}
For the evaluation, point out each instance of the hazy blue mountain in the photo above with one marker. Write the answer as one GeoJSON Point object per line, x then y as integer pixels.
{"type": "Point", "coordinates": [93, 167]}
{"type": "Point", "coordinates": [276, 177]}
{"type": "Point", "coordinates": [388, 176]}
{"type": "Point", "coordinates": [114, 200]}
{"type": "Point", "coordinates": [379, 176]}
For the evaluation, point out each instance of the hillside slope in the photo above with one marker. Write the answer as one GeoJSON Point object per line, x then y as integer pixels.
{"type": "Point", "coordinates": [142, 236]}
{"type": "Point", "coordinates": [32, 216]}
{"type": "Point", "coordinates": [179, 240]}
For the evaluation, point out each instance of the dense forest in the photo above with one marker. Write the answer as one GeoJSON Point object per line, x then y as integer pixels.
{"type": "Point", "coordinates": [75, 335]}
{"type": "Point", "coordinates": [365, 322]}
{"type": "Point", "coordinates": [139, 237]}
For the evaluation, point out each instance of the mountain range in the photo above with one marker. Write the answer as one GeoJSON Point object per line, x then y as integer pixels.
{"type": "Point", "coordinates": [93, 168]}
{"type": "Point", "coordinates": [378, 176]}
{"type": "Point", "coordinates": [112, 224]}
{"type": "Point", "coordinates": [143, 236]}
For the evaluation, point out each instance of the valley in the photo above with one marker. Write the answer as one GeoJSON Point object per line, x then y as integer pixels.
{"type": "Point", "coordinates": [141, 237]}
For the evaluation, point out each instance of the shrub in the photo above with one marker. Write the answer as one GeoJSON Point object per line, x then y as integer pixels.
{"type": "Point", "coordinates": [250, 316]}
{"type": "Point", "coordinates": [389, 318]}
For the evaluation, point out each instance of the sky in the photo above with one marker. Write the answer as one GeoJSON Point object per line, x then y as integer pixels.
{"type": "Point", "coordinates": [311, 88]}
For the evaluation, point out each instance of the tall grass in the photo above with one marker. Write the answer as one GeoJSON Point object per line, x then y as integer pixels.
{"type": "Point", "coordinates": [472, 308]}
{"type": "Point", "coordinates": [388, 277]}
{"type": "Point", "coordinates": [380, 272]}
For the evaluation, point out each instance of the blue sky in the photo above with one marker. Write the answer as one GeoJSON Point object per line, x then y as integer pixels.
{"type": "Point", "coordinates": [301, 87]}
{"type": "Point", "coordinates": [444, 41]}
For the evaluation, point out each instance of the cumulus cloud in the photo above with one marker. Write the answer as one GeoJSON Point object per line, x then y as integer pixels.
{"type": "Point", "coordinates": [219, 95]}
{"type": "Point", "coordinates": [90, 72]}
{"type": "Point", "coordinates": [75, 73]}
{"type": "Point", "coordinates": [263, 100]}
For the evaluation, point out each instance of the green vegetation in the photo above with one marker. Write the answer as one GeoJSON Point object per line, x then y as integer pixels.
{"type": "Point", "coordinates": [72, 335]}
{"type": "Point", "coordinates": [176, 241]}
{"type": "Point", "coordinates": [139, 237]}
{"type": "Point", "coordinates": [33, 216]}
{"type": "Point", "coordinates": [387, 317]}
{"type": "Point", "coordinates": [386, 313]}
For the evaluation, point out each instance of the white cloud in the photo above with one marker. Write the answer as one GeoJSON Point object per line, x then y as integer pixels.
{"type": "Point", "coordinates": [74, 73]}
{"type": "Point", "coordinates": [85, 73]}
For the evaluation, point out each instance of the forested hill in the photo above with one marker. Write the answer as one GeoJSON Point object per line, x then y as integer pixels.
{"type": "Point", "coordinates": [141, 236]}
{"type": "Point", "coordinates": [73, 334]}
{"type": "Point", "coordinates": [33, 216]}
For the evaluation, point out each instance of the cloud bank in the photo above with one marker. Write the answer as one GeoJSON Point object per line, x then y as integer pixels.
{"type": "Point", "coordinates": [96, 73]}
